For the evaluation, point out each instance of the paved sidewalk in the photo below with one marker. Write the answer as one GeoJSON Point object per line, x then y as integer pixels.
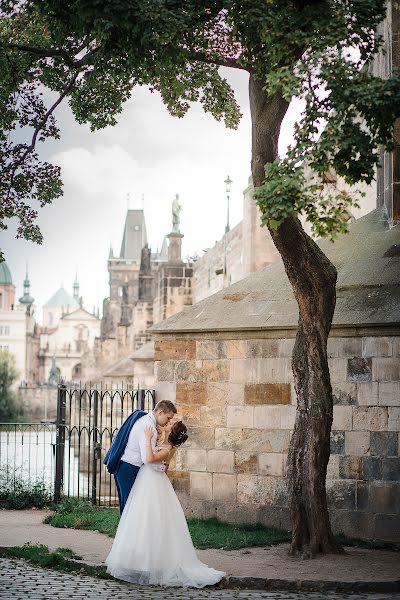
{"type": "Point", "coordinates": [20, 581]}
{"type": "Point", "coordinates": [265, 562]}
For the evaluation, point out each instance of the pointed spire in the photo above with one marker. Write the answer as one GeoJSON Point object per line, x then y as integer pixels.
{"type": "Point", "coordinates": [26, 298]}
{"type": "Point", "coordinates": [111, 253]}
{"type": "Point", "coordinates": [76, 286]}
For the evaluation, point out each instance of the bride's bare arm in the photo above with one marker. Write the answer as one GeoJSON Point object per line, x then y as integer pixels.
{"type": "Point", "coordinates": [150, 456]}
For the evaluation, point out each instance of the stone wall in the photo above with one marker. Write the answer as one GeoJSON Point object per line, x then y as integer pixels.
{"type": "Point", "coordinates": [39, 402]}
{"type": "Point", "coordinates": [235, 391]}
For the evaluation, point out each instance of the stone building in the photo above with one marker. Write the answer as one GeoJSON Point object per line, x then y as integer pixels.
{"type": "Point", "coordinates": [226, 362]}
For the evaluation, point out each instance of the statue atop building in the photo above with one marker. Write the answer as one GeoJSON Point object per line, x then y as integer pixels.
{"type": "Point", "coordinates": [176, 209]}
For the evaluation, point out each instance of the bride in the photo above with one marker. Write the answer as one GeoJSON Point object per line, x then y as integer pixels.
{"type": "Point", "coordinates": [153, 544]}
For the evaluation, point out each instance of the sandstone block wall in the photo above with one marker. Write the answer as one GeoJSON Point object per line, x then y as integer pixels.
{"type": "Point", "coordinates": [238, 399]}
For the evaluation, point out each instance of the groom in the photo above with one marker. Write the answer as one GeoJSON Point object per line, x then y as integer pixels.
{"type": "Point", "coordinates": [127, 452]}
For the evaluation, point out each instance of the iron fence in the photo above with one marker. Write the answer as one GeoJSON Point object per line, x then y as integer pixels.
{"type": "Point", "coordinates": [67, 455]}
{"type": "Point", "coordinates": [87, 421]}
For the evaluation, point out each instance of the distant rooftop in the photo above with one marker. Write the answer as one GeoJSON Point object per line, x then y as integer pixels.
{"type": "Point", "coordinates": [5, 274]}
{"type": "Point", "coordinates": [135, 236]}
{"type": "Point", "coordinates": [62, 298]}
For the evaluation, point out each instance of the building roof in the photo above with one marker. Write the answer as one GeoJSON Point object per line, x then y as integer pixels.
{"type": "Point", "coordinates": [5, 273]}
{"type": "Point", "coordinates": [135, 236]}
{"type": "Point", "coordinates": [122, 368]}
{"type": "Point", "coordinates": [62, 298]}
{"type": "Point", "coordinates": [368, 288]}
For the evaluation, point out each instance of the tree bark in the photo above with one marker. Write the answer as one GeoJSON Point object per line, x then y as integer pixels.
{"type": "Point", "coordinates": [313, 279]}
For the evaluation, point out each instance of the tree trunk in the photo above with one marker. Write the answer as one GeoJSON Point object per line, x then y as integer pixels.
{"type": "Point", "coordinates": [313, 279]}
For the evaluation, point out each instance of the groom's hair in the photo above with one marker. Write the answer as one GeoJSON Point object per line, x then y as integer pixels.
{"type": "Point", "coordinates": [166, 406]}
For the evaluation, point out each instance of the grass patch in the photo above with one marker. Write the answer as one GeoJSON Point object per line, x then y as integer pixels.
{"type": "Point", "coordinates": [59, 560]}
{"type": "Point", "coordinates": [17, 493]}
{"type": "Point", "coordinates": [206, 533]}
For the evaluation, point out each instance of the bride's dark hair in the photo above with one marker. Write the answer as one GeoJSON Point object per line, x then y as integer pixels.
{"type": "Point", "coordinates": [178, 434]}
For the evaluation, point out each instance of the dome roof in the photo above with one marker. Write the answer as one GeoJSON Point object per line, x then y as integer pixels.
{"type": "Point", "coordinates": [62, 298]}
{"type": "Point", "coordinates": [5, 275]}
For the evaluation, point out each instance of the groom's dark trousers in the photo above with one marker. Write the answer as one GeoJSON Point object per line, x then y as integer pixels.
{"type": "Point", "coordinates": [125, 477]}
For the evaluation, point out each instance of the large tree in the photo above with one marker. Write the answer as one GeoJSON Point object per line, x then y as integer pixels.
{"type": "Point", "coordinates": [94, 53]}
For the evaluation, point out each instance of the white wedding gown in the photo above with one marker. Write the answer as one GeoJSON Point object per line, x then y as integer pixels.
{"type": "Point", "coordinates": [153, 544]}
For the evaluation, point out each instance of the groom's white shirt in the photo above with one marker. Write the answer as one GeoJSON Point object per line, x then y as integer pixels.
{"type": "Point", "coordinates": [135, 449]}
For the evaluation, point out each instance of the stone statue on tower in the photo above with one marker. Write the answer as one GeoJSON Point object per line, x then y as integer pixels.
{"type": "Point", "coordinates": [176, 209]}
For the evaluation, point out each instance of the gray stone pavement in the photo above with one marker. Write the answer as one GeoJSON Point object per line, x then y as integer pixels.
{"type": "Point", "coordinates": [20, 581]}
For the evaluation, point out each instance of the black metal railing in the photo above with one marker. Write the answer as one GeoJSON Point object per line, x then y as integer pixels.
{"type": "Point", "coordinates": [87, 421]}
{"type": "Point", "coordinates": [67, 455]}
{"type": "Point", "coordinates": [27, 454]}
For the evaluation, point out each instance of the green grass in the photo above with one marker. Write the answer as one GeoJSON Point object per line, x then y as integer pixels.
{"type": "Point", "coordinates": [59, 559]}
{"type": "Point", "coordinates": [17, 493]}
{"type": "Point", "coordinates": [206, 533]}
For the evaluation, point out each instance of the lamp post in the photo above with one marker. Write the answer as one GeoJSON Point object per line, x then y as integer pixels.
{"type": "Point", "coordinates": [228, 183]}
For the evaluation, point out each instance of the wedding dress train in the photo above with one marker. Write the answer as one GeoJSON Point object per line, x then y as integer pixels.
{"type": "Point", "coordinates": [153, 544]}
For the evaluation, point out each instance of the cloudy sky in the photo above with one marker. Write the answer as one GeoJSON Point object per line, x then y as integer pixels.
{"type": "Point", "coordinates": [148, 154]}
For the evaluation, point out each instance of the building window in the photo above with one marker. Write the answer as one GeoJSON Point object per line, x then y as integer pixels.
{"type": "Point", "coordinates": [6, 330]}
{"type": "Point", "coordinates": [120, 291]}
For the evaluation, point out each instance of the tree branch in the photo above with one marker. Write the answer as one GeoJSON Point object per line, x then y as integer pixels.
{"type": "Point", "coordinates": [52, 52]}
{"type": "Point", "coordinates": [222, 62]}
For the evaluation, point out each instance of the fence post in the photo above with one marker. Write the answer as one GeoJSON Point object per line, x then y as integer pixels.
{"type": "Point", "coordinates": [141, 399]}
{"type": "Point", "coordinates": [96, 447]}
{"type": "Point", "coordinates": [60, 441]}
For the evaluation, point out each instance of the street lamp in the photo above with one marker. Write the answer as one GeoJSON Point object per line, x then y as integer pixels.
{"type": "Point", "coordinates": [228, 182]}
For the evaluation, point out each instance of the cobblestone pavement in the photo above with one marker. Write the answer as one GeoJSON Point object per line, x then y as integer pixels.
{"type": "Point", "coordinates": [20, 581]}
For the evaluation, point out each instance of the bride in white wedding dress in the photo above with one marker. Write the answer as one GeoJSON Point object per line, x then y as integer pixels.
{"type": "Point", "coordinates": [153, 544]}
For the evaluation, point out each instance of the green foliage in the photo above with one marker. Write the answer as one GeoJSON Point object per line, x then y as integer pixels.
{"type": "Point", "coordinates": [9, 408]}
{"type": "Point", "coordinates": [16, 492]}
{"type": "Point", "coordinates": [95, 53]}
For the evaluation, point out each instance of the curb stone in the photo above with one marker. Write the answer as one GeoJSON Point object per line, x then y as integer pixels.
{"type": "Point", "coordinates": [261, 583]}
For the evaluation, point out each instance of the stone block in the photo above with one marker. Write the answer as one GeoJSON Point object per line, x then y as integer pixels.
{"type": "Point", "coordinates": [272, 464]}
{"type": "Point", "coordinates": [288, 417]}
{"type": "Point", "coordinates": [386, 369]}
{"type": "Point", "coordinates": [189, 414]}
{"type": "Point", "coordinates": [359, 369]}
{"type": "Point", "coordinates": [273, 516]}
{"type": "Point", "coordinates": [342, 418]}
{"type": "Point", "coordinates": [238, 370]}
{"type": "Point", "coordinates": [164, 370]}
{"type": "Point", "coordinates": [195, 460]}
{"type": "Point", "coordinates": [240, 416]}
{"type": "Point", "coordinates": [265, 348]}
{"type": "Point", "coordinates": [217, 394]}
{"type": "Point", "coordinates": [213, 416]}
{"type": "Point", "coordinates": [188, 370]}
{"type": "Point", "coordinates": [246, 462]}
{"type": "Point", "coordinates": [267, 417]}
{"type": "Point", "coordinates": [377, 346]}
{"type": "Point", "coordinates": [362, 494]}
{"type": "Point", "coordinates": [367, 394]}
{"type": "Point", "coordinates": [255, 489]}
{"type": "Point", "coordinates": [285, 347]}
{"type": "Point", "coordinates": [190, 393]}
{"type": "Point", "coordinates": [384, 497]}
{"type": "Point", "coordinates": [215, 370]}
{"type": "Point", "coordinates": [261, 440]}
{"type": "Point", "coordinates": [387, 528]}
{"type": "Point", "coordinates": [393, 419]}
{"type": "Point", "coordinates": [237, 349]}
{"type": "Point", "coordinates": [341, 494]}
{"type": "Point", "coordinates": [350, 467]}
{"type": "Point", "coordinates": [200, 437]}
{"type": "Point", "coordinates": [220, 461]}
{"type": "Point", "coordinates": [391, 468]}
{"type": "Point", "coordinates": [333, 467]}
{"type": "Point", "coordinates": [357, 443]}
{"type": "Point", "coordinates": [165, 391]}
{"type": "Point", "coordinates": [235, 395]}
{"type": "Point", "coordinates": [227, 438]}
{"type": "Point", "coordinates": [281, 493]}
{"type": "Point", "coordinates": [267, 393]}
{"type": "Point", "coordinates": [212, 349]}
{"type": "Point", "coordinates": [370, 418]}
{"type": "Point", "coordinates": [337, 369]}
{"type": "Point", "coordinates": [269, 370]}
{"type": "Point", "coordinates": [201, 485]}
{"type": "Point", "coordinates": [389, 393]}
{"type": "Point", "coordinates": [174, 349]}
{"type": "Point", "coordinates": [337, 442]}
{"type": "Point", "coordinates": [180, 482]}
{"type": "Point", "coordinates": [396, 346]}
{"type": "Point", "coordinates": [384, 443]}
{"type": "Point", "coordinates": [345, 347]}
{"type": "Point", "coordinates": [371, 468]}
{"type": "Point", "coordinates": [345, 394]}
{"type": "Point", "coordinates": [353, 523]}
{"type": "Point", "coordinates": [224, 487]}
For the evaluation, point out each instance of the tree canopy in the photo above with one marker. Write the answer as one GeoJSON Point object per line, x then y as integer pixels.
{"type": "Point", "coordinates": [94, 53]}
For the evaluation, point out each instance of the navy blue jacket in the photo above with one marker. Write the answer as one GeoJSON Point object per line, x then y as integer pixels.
{"type": "Point", "coordinates": [117, 448]}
